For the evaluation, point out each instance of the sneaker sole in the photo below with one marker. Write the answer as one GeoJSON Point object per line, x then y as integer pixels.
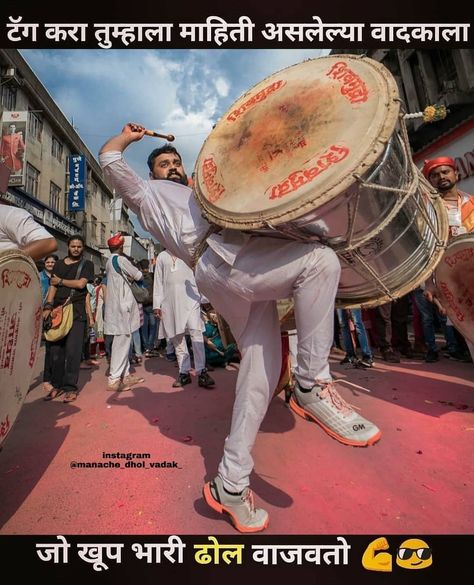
{"type": "Point", "coordinates": [295, 407]}
{"type": "Point", "coordinates": [215, 505]}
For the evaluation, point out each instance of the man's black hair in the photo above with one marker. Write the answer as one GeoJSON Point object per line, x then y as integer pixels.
{"type": "Point", "coordinates": [144, 263]}
{"type": "Point", "coordinates": [165, 149]}
{"type": "Point", "coordinates": [76, 237]}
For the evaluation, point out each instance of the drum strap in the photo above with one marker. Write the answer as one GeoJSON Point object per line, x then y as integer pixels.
{"type": "Point", "coordinates": [203, 245]}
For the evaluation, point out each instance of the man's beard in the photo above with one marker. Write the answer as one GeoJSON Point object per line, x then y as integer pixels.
{"type": "Point", "coordinates": [183, 180]}
{"type": "Point", "coordinates": [446, 186]}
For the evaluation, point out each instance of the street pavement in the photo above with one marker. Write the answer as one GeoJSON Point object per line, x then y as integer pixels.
{"type": "Point", "coordinates": [418, 479]}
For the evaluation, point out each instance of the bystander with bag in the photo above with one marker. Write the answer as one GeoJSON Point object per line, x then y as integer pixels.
{"type": "Point", "coordinates": [65, 319]}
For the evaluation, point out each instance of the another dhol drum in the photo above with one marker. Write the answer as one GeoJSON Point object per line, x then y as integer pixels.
{"type": "Point", "coordinates": [454, 277]}
{"type": "Point", "coordinates": [20, 332]}
{"type": "Point", "coordinates": [319, 152]}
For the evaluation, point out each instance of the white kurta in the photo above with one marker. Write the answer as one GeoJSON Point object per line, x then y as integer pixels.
{"type": "Point", "coordinates": [243, 275]}
{"type": "Point", "coordinates": [175, 292]}
{"type": "Point", "coordinates": [169, 211]}
{"type": "Point", "coordinates": [18, 228]}
{"type": "Point", "coordinates": [121, 309]}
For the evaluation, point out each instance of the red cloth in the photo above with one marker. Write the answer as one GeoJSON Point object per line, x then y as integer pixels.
{"type": "Point", "coordinates": [12, 150]}
{"type": "Point", "coordinates": [437, 162]}
{"type": "Point", "coordinates": [116, 241]}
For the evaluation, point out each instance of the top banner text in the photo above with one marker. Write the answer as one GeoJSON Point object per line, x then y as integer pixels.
{"type": "Point", "coordinates": [219, 33]}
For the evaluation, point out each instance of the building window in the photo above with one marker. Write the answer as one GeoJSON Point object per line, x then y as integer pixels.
{"type": "Point", "coordinates": [32, 179]}
{"type": "Point", "coordinates": [55, 197]}
{"type": "Point", "coordinates": [35, 126]}
{"type": "Point", "coordinates": [102, 234]}
{"type": "Point", "coordinates": [8, 97]}
{"type": "Point", "coordinates": [104, 200]}
{"type": "Point", "coordinates": [57, 149]}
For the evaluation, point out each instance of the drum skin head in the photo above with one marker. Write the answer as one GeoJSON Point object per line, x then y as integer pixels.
{"type": "Point", "coordinates": [20, 332]}
{"type": "Point", "coordinates": [455, 283]}
{"type": "Point", "coordinates": [295, 141]}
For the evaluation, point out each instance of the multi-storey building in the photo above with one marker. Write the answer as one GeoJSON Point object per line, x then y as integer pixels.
{"type": "Point", "coordinates": [49, 153]}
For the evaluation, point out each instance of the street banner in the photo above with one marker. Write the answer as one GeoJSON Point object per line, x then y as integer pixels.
{"type": "Point", "coordinates": [13, 145]}
{"type": "Point", "coordinates": [77, 180]}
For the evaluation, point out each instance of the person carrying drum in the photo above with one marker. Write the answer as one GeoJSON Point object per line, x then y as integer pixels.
{"type": "Point", "coordinates": [441, 173]}
{"type": "Point", "coordinates": [243, 275]}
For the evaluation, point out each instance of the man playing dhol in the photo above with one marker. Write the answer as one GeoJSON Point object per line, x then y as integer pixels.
{"type": "Point", "coordinates": [243, 275]}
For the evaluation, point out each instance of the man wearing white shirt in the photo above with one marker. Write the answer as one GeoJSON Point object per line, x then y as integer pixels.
{"type": "Point", "coordinates": [176, 300]}
{"type": "Point", "coordinates": [18, 229]}
{"type": "Point", "coordinates": [243, 275]}
{"type": "Point", "coordinates": [122, 316]}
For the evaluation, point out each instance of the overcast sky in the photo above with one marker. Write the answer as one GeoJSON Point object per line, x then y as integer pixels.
{"type": "Point", "coordinates": [180, 92]}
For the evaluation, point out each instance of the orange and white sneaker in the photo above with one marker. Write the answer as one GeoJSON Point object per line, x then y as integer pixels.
{"type": "Point", "coordinates": [240, 507]}
{"type": "Point", "coordinates": [326, 407]}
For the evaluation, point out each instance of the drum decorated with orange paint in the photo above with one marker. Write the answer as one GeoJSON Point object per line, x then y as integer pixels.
{"type": "Point", "coordinates": [319, 152]}
{"type": "Point", "coordinates": [20, 333]}
{"type": "Point", "coordinates": [454, 279]}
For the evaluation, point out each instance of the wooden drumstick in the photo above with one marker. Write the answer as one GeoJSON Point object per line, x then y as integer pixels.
{"type": "Point", "coordinates": [168, 137]}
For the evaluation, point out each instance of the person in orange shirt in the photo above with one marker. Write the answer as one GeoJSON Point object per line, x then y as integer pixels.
{"type": "Point", "coordinates": [12, 149]}
{"type": "Point", "coordinates": [441, 173]}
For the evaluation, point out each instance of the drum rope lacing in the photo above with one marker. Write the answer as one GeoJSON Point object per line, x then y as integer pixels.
{"type": "Point", "coordinates": [410, 170]}
{"type": "Point", "coordinates": [297, 234]}
{"type": "Point", "coordinates": [415, 178]}
{"type": "Point", "coordinates": [409, 193]}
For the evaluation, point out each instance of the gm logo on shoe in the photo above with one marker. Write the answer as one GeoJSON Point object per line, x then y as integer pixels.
{"type": "Point", "coordinates": [359, 427]}
{"type": "Point", "coordinates": [413, 553]}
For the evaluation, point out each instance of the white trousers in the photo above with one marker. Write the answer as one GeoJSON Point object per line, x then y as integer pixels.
{"type": "Point", "coordinates": [119, 359]}
{"type": "Point", "coordinates": [268, 269]}
{"type": "Point", "coordinates": [182, 353]}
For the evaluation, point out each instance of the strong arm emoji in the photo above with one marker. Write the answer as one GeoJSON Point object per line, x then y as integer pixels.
{"type": "Point", "coordinates": [375, 560]}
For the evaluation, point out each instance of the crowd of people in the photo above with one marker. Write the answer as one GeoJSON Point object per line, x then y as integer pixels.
{"type": "Point", "coordinates": [204, 273]}
{"type": "Point", "coordinates": [110, 323]}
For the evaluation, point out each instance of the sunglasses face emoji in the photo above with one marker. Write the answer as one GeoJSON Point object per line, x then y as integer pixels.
{"type": "Point", "coordinates": [414, 553]}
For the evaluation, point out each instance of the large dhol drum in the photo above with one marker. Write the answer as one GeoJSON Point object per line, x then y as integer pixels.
{"type": "Point", "coordinates": [319, 151]}
{"type": "Point", "coordinates": [454, 277]}
{"type": "Point", "coordinates": [20, 332]}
